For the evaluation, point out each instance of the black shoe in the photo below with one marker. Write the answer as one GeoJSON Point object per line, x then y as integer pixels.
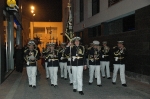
{"type": "Point", "coordinates": [95, 78]}
{"type": "Point", "coordinates": [74, 90]}
{"type": "Point", "coordinates": [71, 83]}
{"type": "Point", "coordinates": [65, 78]}
{"type": "Point", "coordinates": [52, 84]}
{"type": "Point", "coordinates": [34, 86]}
{"type": "Point", "coordinates": [62, 77]}
{"type": "Point", "coordinates": [124, 85]}
{"type": "Point", "coordinates": [30, 85]}
{"type": "Point", "coordinates": [109, 78]}
{"type": "Point", "coordinates": [113, 83]}
{"type": "Point", "coordinates": [103, 76]}
{"type": "Point", "coordinates": [55, 86]}
{"type": "Point", "coordinates": [99, 85]}
{"type": "Point", "coordinates": [46, 78]}
{"type": "Point", "coordinates": [90, 83]}
{"type": "Point", "coordinates": [81, 93]}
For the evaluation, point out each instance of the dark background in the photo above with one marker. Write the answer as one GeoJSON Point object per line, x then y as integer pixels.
{"type": "Point", "coordinates": [45, 10]}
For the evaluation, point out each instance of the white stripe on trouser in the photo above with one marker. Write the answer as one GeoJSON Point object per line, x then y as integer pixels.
{"type": "Point", "coordinates": [53, 73]}
{"type": "Point", "coordinates": [95, 68]}
{"type": "Point", "coordinates": [70, 74]}
{"type": "Point", "coordinates": [46, 69]}
{"type": "Point", "coordinates": [122, 72]}
{"type": "Point", "coordinates": [103, 65]}
{"type": "Point", "coordinates": [31, 72]}
{"type": "Point", "coordinates": [63, 68]}
{"type": "Point", "coordinates": [77, 72]}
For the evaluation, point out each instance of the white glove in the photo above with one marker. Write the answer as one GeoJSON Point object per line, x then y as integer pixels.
{"type": "Point", "coordinates": [103, 56]}
{"type": "Point", "coordinates": [69, 59]}
{"type": "Point", "coordinates": [27, 62]}
{"type": "Point", "coordinates": [116, 58]}
{"type": "Point", "coordinates": [49, 60]}
{"type": "Point", "coordinates": [73, 58]}
{"type": "Point", "coordinates": [61, 58]}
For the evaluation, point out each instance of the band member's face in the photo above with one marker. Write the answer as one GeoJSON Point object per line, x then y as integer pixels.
{"type": "Point", "coordinates": [120, 45]}
{"type": "Point", "coordinates": [104, 44]}
{"type": "Point", "coordinates": [48, 47]}
{"type": "Point", "coordinates": [31, 46]}
{"type": "Point", "coordinates": [52, 48]}
{"type": "Point", "coordinates": [95, 46]}
{"type": "Point", "coordinates": [77, 42]}
{"type": "Point", "coordinates": [63, 46]}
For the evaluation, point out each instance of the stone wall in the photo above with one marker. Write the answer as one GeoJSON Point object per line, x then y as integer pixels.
{"type": "Point", "coordinates": [137, 43]}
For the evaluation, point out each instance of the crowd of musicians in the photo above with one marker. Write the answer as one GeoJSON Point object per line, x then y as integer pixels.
{"type": "Point", "coordinates": [73, 58]}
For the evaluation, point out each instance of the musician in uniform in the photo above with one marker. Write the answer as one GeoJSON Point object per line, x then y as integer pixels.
{"type": "Point", "coordinates": [53, 63]}
{"type": "Point", "coordinates": [94, 62]}
{"type": "Point", "coordinates": [63, 61]}
{"type": "Point", "coordinates": [119, 54]}
{"type": "Point", "coordinates": [105, 61]}
{"type": "Point", "coordinates": [78, 64]}
{"type": "Point", "coordinates": [44, 54]}
{"type": "Point", "coordinates": [31, 56]}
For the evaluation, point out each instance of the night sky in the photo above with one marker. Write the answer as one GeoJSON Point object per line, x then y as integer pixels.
{"type": "Point", "coordinates": [45, 10]}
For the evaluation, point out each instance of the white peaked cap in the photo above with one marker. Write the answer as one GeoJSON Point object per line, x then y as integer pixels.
{"type": "Point", "coordinates": [95, 42]}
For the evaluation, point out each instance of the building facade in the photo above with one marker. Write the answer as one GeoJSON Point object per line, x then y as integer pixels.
{"type": "Point", "coordinates": [113, 20]}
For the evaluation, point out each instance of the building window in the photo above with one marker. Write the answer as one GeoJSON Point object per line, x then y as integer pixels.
{"type": "Point", "coordinates": [94, 31]}
{"type": "Point", "coordinates": [112, 2]}
{"type": "Point", "coordinates": [81, 10]}
{"type": "Point", "coordinates": [129, 23]}
{"type": "Point", "coordinates": [95, 7]}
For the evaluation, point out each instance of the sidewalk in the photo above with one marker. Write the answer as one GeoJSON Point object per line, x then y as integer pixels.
{"type": "Point", "coordinates": [16, 87]}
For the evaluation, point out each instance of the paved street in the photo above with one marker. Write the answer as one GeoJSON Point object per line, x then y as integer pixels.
{"type": "Point", "coordinates": [16, 87]}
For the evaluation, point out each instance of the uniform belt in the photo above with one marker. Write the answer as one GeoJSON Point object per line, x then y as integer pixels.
{"type": "Point", "coordinates": [105, 55]}
{"type": "Point", "coordinates": [76, 57]}
{"type": "Point", "coordinates": [120, 57]}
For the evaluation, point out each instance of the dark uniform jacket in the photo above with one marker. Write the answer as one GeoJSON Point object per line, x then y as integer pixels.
{"type": "Point", "coordinates": [120, 54]}
{"type": "Point", "coordinates": [45, 54]}
{"type": "Point", "coordinates": [62, 56]}
{"type": "Point", "coordinates": [94, 56]}
{"type": "Point", "coordinates": [52, 58]}
{"type": "Point", "coordinates": [105, 53]}
{"type": "Point", "coordinates": [78, 57]}
{"type": "Point", "coordinates": [28, 53]}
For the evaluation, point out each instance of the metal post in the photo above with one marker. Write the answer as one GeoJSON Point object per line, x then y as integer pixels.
{"type": "Point", "coordinates": [11, 41]}
{"type": "Point", "coordinates": [18, 36]}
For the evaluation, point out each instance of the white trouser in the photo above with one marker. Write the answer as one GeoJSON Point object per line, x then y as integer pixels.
{"type": "Point", "coordinates": [77, 72]}
{"type": "Point", "coordinates": [63, 68]}
{"type": "Point", "coordinates": [103, 65]}
{"type": "Point", "coordinates": [31, 72]}
{"type": "Point", "coordinates": [70, 73]}
{"type": "Point", "coordinates": [46, 69]}
{"type": "Point", "coordinates": [95, 68]}
{"type": "Point", "coordinates": [53, 73]}
{"type": "Point", "coordinates": [122, 73]}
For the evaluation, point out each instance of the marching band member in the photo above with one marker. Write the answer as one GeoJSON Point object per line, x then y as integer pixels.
{"type": "Point", "coordinates": [63, 61]}
{"type": "Point", "coordinates": [53, 64]}
{"type": "Point", "coordinates": [119, 53]}
{"type": "Point", "coordinates": [31, 56]}
{"type": "Point", "coordinates": [78, 64]}
{"type": "Point", "coordinates": [94, 62]}
{"type": "Point", "coordinates": [105, 61]}
{"type": "Point", "coordinates": [44, 54]}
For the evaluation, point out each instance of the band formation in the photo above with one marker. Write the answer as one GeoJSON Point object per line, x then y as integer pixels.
{"type": "Point", "coordinates": [73, 58]}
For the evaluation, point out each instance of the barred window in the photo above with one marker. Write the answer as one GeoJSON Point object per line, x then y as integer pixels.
{"type": "Point", "coordinates": [112, 2]}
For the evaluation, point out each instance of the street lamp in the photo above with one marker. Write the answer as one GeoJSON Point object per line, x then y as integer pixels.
{"type": "Point", "coordinates": [33, 14]}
